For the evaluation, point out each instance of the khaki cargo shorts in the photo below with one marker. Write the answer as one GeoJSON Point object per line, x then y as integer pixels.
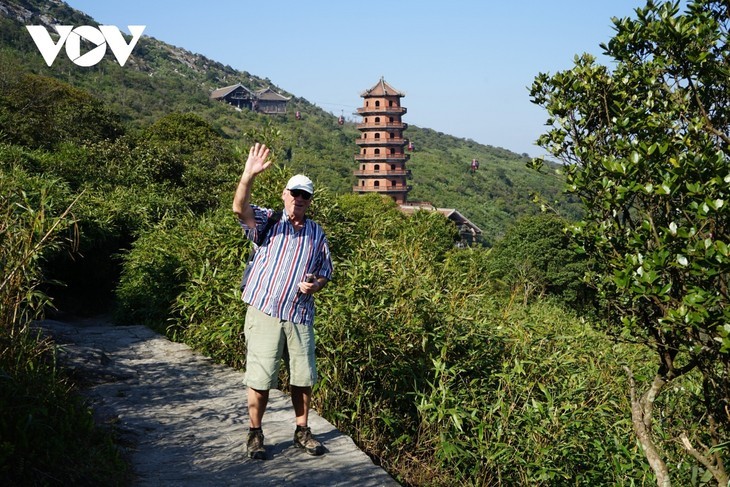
{"type": "Point", "coordinates": [266, 338]}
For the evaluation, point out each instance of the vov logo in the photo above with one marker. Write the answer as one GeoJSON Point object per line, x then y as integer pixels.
{"type": "Point", "coordinates": [101, 37]}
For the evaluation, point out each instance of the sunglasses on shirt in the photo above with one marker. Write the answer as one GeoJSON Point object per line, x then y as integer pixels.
{"type": "Point", "coordinates": [298, 193]}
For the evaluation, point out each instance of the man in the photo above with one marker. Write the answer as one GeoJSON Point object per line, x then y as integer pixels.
{"type": "Point", "coordinates": [292, 263]}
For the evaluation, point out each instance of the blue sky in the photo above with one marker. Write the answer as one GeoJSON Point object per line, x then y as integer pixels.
{"type": "Point", "coordinates": [465, 66]}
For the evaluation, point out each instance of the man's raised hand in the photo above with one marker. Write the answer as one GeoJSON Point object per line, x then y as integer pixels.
{"type": "Point", "coordinates": [257, 159]}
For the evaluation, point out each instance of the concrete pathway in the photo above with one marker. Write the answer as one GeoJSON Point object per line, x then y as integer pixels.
{"type": "Point", "coordinates": [184, 418]}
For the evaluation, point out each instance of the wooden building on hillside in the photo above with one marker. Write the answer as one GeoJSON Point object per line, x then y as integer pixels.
{"type": "Point", "coordinates": [237, 95]}
{"type": "Point", "coordinates": [382, 157]}
{"type": "Point", "coordinates": [269, 101]}
{"type": "Point", "coordinates": [262, 101]}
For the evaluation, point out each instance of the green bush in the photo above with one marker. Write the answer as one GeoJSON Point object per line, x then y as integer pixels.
{"type": "Point", "coordinates": [549, 413]}
{"type": "Point", "coordinates": [197, 159]}
{"type": "Point", "coordinates": [30, 229]}
{"type": "Point", "coordinates": [41, 112]}
{"type": "Point", "coordinates": [537, 258]}
{"type": "Point", "coordinates": [47, 434]}
{"type": "Point", "coordinates": [168, 264]}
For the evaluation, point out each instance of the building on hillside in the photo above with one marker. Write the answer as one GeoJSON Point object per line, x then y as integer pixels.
{"type": "Point", "coordinates": [468, 231]}
{"type": "Point", "coordinates": [237, 95]}
{"type": "Point", "coordinates": [381, 158]}
{"type": "Point", "coordinates": [269, 101]}
{"type": "Point", "coordinates": [262, 101]}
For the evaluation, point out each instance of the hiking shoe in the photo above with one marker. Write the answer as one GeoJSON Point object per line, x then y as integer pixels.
{"type": "Point", "coordinates": [303, 439]}
{"type": "Point", "coordinates": [255, 445]}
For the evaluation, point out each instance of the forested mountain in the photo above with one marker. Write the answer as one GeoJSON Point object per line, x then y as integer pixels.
{"type": "Point", "coordinates": [159, 79]}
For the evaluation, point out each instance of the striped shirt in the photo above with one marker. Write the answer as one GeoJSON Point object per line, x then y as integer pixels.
{"type": "Point", "coordinates": [280, 264]}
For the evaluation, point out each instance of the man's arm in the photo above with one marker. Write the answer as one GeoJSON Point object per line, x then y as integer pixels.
{"type": "Point", "coordinates": [255, 165]}
{"type": "Point", "coordinates": [242, 201]}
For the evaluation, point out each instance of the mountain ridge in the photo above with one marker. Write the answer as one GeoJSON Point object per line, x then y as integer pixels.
{"type": "Point", "coordinates": [160, 79]}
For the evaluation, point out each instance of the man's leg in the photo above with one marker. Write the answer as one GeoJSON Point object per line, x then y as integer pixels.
{"type": "Point", "coordinates": [264, 348]}
{"type": "Point", "coordinates": [300, 397]}
{"type": "Point", "coordinates": [303, 438]}
{"type": "Point", "coordinates": [302, 371]}
{"type": "Point", "coordinates": [264, 343]}
{"type": "Point", "coordinates": [257, 401]}
{"type": "Point", "coordinates": [302, 368]}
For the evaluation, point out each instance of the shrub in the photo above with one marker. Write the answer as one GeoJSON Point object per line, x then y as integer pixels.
{"type": "Point", "coordinates": [41, 112]}
{"type": "Point", "coordinates": [549, 412]}
{"type": "Point", "coordinates": [536, 258]}
{"type": "Point", "coordinates": [47, 435]}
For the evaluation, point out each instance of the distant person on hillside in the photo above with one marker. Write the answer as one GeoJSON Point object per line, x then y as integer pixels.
{"type": "Point", "coordinates": [291, 264]}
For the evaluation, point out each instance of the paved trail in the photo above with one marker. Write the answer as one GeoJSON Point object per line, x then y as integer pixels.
{"type": "Point", "coordinates": [184, 418]}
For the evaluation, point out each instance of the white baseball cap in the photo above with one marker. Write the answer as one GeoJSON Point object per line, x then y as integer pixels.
{"type": "Point", "coordinates": [300, 181]}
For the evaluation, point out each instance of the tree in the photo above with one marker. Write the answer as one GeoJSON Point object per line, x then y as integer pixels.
{"type": "Point", "coordinates": [41, 112]}
{"type": "Point", "coordinates": [647, 151]}
{"type": "Point", "coordinates": [537, 257]}
{"type": "Point", "coordinates": [185, 151]}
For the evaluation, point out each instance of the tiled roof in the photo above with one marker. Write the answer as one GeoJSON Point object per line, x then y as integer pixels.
{"type": "Point", "coordinates": [450, 213]}
{"type": "Point", "coordinates": [270, 95]}
{"type": "Point", "coordinates": [382, 88]}
{"type": "Point", "coordinates": [221, 92]}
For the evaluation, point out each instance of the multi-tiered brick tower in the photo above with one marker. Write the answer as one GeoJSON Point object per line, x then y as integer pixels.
{"type": "Point", "coordinates": [382, 158]}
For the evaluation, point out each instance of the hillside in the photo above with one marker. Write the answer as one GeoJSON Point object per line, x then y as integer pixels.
{"type": "Point", "coordinates": [159, 79]}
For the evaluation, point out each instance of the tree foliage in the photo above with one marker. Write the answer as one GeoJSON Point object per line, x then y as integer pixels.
{"type": "Point", "coordinates": [647, 148]}
{"type": "Point", "coordinates": [536, 258]}
{"type": "Point", "coordinates": [40, 112]}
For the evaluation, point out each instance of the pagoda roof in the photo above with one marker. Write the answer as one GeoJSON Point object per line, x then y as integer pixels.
{"type": "Point", "coordinates": [271, 95]}
{"type": "Point", "coordinates": [382, 88]}
{"type": "Point", "coordinates": [221, 92]}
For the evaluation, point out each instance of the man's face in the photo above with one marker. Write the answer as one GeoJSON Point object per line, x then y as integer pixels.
{"type": "Point", "coordinates": [296, 202]}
